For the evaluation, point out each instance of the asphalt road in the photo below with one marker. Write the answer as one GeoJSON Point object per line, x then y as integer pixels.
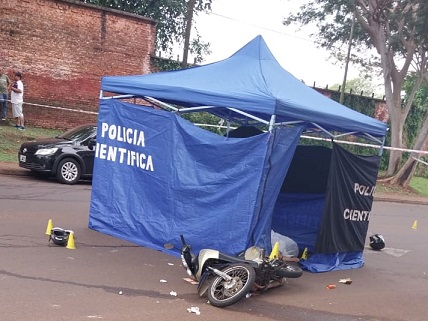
{"type": "Point", "coordinates": [41, 281]}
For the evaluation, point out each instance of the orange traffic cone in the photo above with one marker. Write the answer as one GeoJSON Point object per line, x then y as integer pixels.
{"type": "Point", "coordinates": [49, 227]}
{"type": "Point", "coordinates": [275, 252]}
{"type": "Point", "coordinates": [70, 242]}
{"type": "Point", "coordinates": [415, 225]}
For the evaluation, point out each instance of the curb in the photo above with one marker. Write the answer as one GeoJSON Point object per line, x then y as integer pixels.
{"type": "Point", "coordinates": [15, 172]}
{"type": "Point", "coordinates": [402, 201]}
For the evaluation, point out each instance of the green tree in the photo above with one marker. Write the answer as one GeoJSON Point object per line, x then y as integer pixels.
{"type": "Point", "coordinates": [171, 16]}
{"type": "Point", "coordinates": [415, 129]}
{"type": "Point", "coordinates": [397, 30]}
{"type": "Point", "coordinates": [357, 85]}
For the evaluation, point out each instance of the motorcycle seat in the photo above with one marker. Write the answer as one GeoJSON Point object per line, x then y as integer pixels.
{"type": "Point", "coordinates": [234, 259]}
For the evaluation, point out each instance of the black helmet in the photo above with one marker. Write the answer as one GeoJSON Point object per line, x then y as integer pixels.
{"type": "Point", "coordinates": [377, 242]}
{"type": "Point", "coordinates": [59, 236]}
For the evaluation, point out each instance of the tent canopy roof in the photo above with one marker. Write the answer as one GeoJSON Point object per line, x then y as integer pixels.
{"type": "Point", "coordinates": [251, 80]}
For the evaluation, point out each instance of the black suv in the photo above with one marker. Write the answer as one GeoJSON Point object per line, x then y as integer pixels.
{"type": "Point", "coordinates": [69, 156]}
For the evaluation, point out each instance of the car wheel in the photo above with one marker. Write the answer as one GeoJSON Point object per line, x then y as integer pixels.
{"type": "Point", "coordinates": [68, 171]}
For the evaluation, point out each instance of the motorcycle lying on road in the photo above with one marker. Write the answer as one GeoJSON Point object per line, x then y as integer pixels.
{"type": "Point", "coordinates": [227, 279]}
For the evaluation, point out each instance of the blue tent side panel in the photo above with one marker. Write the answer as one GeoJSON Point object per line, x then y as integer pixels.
{"type": "Point", "coordinates": [321, 262]}
{"type": "Point", "coordinates": [283, 145]}
{"type": "Point", "coordinates": [298, 216]}
{"type": "Point", "coordinates": [157, 176]}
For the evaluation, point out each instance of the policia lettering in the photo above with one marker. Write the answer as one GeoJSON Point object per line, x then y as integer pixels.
{"type": "Point", "coordinates": [123, 155]}
{"type": "Point", "coordinates": [123, 134]}
{"type": "Point", "coordinates": [359, 215]}
{"type": "Point", "coordinates": [364, 190]}
{"type": "Point", "coordinates": [356, 215]}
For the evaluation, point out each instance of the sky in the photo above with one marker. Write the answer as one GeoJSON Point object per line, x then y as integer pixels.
{"type": "Point", "coordinates": [233, 23]}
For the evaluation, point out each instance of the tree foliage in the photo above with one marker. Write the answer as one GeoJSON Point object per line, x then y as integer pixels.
{"type": "Point", "coordinates": [357, 85]}
{"type": "Point", "coordinates": [398, 20]}
{"type": "Point", "coordinates": [169, 14]}
{"type": "Point", "coordinates": [415, 125]}
{"type": "Point", "coordinates": [397, 30]}
{"type": "Point", "coordinates": [418, 112]}
{"type": "Point", "coordinates": [199, 49]}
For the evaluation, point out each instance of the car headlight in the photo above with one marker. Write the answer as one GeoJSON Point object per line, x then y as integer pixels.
{"type": "Point", "coordinates": [46, 151]}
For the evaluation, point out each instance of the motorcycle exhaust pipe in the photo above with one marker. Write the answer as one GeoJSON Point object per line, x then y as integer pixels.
{"type": "Point", "coordinates": [220, 273]}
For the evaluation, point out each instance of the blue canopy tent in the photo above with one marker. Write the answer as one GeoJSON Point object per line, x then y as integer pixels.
{"type": "Point", "coordinates": [157, 176]}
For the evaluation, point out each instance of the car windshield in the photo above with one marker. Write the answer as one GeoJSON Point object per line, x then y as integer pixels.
{"type": "Point", "coordinates": [79, 133]}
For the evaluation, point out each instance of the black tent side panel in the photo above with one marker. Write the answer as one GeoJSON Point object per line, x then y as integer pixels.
{"type": "Point", "coordinates": [349, 199]}
{"type": "Point", "coordinates": [299, 207]}
{"type": "Point", "coordinates": [309, 171]}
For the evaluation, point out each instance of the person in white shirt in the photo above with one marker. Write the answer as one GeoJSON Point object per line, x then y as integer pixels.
{"type": "Point", "coordinates": [17, 99]}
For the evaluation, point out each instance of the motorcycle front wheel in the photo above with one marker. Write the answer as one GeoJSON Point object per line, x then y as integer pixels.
{"type": "Point", "coordinates": [223, 293]}
{"type": "Point", "coordinates": [289, 271]}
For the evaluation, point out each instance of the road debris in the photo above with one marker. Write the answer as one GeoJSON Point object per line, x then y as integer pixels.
{"type": "Point", "coordinates": [170, 264]}
{"type": "Point", "coordinates": [194, 310]}
{"type": "Point", "coordinates": [191, 281]}
{"type": "Point", "coordinates": [120, 292]}
{"type": "Point", "coordinates": [163, 281]}
{"type": "Point", "coordinates": [345, 281]}
{"type": "Point", "coordinates": [331, 286]}
{"type": "Point", "coordinates": [173, 293]}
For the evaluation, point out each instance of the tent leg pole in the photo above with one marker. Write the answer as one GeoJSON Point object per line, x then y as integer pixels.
{"type": "Point", "coordinates": [272, 122]}
{"type": "Point", "coordinates": [381, 148]}
{"type": "Point", "coordinates": [228, 128]}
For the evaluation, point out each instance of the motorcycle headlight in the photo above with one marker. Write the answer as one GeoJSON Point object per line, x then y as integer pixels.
{"type": "Point", "coordinates": [183, 261]}
{"type": "Point", "coordinates": [46, 151]}
{"type": "Point", "coordinates": [189, 272]}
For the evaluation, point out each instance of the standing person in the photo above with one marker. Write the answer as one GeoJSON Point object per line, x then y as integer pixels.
{"type": "Point", "coordinates": [4, 85]}
{"type": "Point", "coordinates": [17, 99]}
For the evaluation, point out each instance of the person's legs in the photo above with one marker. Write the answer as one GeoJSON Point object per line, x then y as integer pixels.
{"type": "Point", "coordinates": [16, 113]}
{"type": "Point", "coordinates": [3, 103]}
{"type": "Point", "coordinates": [20, 116]}
{"type": "Point", "coordinates": [21, 121]}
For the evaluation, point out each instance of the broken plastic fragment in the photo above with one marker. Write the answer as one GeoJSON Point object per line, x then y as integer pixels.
{"type": "Point", "coordinates": [345, 281]}
{"type": "Point", "coordinates": [194, 310]}
{"type": "Point", "coordinates": [191, 281]}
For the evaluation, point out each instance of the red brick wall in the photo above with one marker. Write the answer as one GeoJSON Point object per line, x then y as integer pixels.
{"type": "Point", "coordinates": [64, 47]}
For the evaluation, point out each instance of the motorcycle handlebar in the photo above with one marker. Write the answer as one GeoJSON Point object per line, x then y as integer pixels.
{"type": "Point", "coordinates": [182, 239]}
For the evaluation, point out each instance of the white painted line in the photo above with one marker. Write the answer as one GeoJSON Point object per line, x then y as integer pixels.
{"type": "Point", "coordinates": [387, 250]}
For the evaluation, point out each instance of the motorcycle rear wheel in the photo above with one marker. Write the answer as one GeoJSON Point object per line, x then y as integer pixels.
{"type": "Point", "coordinates": [223, 293]}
